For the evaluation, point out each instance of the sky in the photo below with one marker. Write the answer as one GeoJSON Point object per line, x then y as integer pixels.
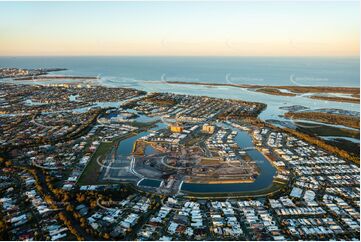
{"type": "Point", "coordinates": [284, 28]}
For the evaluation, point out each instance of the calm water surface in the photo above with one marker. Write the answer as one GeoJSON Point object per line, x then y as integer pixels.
{"type": "Point", "coordinates": [263, 180]}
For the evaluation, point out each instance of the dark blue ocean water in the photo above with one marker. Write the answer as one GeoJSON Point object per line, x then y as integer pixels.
{"type": "Point", "coordinates": [253, 70]}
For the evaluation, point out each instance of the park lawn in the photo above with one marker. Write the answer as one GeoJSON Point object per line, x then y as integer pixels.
{"type": "Point", "coordinates": [90, 173]}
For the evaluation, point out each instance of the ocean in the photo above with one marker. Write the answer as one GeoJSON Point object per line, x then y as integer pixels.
{"type": "Point", "coordinates": [320, 71]}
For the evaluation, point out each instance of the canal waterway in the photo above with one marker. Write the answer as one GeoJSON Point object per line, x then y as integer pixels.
{"type": "Point", "coordinates": [243, 139]}
{"type": "Point", "coordinates": [263, 180]}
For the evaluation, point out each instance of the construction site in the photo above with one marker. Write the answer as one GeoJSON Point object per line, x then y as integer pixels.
{"type": "Point", "coordinates": [179, 154]}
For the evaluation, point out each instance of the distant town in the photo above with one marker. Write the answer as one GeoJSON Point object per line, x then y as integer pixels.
{"type": "Point", "coordinates": [87, 162]}
{"type": "Point", "coordinates": [21, 73]}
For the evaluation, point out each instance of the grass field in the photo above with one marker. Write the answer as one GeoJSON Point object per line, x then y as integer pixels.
{"type": "Point", "coordinates": [91, 171]}
{"type": "Point", "coordinates": [328, 130]}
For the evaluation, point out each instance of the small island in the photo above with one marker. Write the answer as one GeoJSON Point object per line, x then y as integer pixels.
{"type": "Point", "coordinates": [291, 90]}
{"type": "Point", "coordinates": [329, 118]}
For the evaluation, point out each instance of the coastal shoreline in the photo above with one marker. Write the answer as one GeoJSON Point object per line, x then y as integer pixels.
{"type": "Point", "coordinates": [41, 77]}
{"type": "Point", "coordinates": [292, 90]}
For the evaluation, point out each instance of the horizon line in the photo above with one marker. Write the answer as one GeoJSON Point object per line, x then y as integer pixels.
{"type": "Point", "coordinates": [248, 56]}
